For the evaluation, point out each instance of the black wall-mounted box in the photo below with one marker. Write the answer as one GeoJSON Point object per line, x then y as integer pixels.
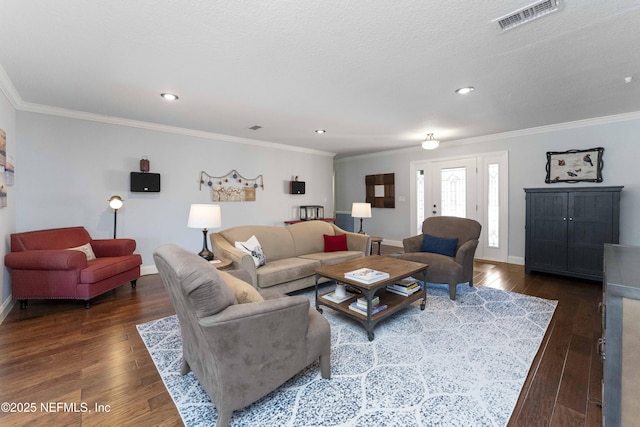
{"type": "Point", "coordinates": [145, 182]}
{"type": "Point", "coordinates": [296, 187]}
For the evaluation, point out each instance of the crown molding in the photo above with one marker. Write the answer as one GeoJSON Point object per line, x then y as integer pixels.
{"type": "Point", "coordinates": [9, 90]}
{"type": "Point", "coordinates": [19, 104]}
{"type": "Point", "coordinates": [604, 120]}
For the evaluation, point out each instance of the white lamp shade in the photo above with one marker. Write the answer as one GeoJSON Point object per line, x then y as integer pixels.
{"type": "Point", "coordinates": [361, 210]}
{"type": "Point", "coordinates": [115, 202]}
{"type": "Point", "coordinates": [204, 216]}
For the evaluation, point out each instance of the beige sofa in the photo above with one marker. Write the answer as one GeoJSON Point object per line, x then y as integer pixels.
{"type": "Point", "coordinates": [293, 253]}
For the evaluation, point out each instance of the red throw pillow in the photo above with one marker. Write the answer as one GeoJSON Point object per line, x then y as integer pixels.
{"type": "Point", "coordinates": [335, 243]}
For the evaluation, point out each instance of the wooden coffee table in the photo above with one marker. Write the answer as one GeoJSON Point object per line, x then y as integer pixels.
{"type": "Point", "coordinates": [397, 268]}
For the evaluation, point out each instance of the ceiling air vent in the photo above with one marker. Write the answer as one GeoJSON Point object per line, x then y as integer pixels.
{"type": "Point", "coordinates": [527, 14]}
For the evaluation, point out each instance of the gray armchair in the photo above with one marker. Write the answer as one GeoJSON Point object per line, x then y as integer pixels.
{"type": "Point", "coordinates": [239, 351]}
{"type": "Point", "coordinates": [451, 270]}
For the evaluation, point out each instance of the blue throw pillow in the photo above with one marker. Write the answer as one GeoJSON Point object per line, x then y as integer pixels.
{"type": "Point", "coordinates": [439, 245]}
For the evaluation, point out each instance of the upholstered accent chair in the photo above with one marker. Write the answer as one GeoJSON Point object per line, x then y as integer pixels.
{"type": "Point", "coordinates": [239, 345]}
{"type": "Point", "coordinates": [456, 240]}
{"type": "Point", "coordinates": [66, 263]}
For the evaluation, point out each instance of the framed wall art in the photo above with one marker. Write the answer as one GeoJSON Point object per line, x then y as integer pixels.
{"type": "Point", "coordinates": [574, 166]}
{"type": "Point", "coordinates": [380, 190]}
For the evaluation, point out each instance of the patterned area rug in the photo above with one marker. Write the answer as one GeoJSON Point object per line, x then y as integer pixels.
{"type": "Point", "coordinates": [457, 363]}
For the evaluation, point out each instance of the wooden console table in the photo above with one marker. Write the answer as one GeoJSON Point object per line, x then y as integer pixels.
{"type": "Point", "coordinates": [295, 221]}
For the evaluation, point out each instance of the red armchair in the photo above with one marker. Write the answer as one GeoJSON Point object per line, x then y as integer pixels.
{"type": "Point", "coordinates": [43, 267]}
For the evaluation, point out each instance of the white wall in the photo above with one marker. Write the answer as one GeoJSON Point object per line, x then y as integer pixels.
{"type": "Point", "coordinates": [8, 214]}
{"type": "Point", "coordinates": [68, 168]}
{"type": "Point", "coordinates": [527, 160]}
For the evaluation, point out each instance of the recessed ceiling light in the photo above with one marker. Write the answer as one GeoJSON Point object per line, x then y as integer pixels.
{"type": "Point", "coordinates": [321, 131]}
{"type": "Point", "coordinates": [169, 96]}
{"type": "Point", "coordinates": [465, 90]}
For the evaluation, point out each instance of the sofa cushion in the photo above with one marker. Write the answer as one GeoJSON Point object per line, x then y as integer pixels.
{"type": "Point", "coordinates": [55, 238]}
{"type": "Point", "coordinates": [335, 243]}
{"type": "Point", "coordinates": [308, 236]}
{"type": "Point", "coordinates": [442, 269]}
{"type": "Point", "coordinates": [104, 268]}
{"type": "Point", "coordinates": [330, 258]}
{"type": "Point", "coordinates": [205, 288]}
{"type": "Point", "coordinates": [253, 248]}
{"type": "Point", "coordinates": [439, 245]}
{"type": "Point", "coordinates": [286, 270]}
{"type": "Point", "coordinates": [276, 242]}
{"type": "Point", "coordinates": [86, 249]}
{"type": "Point", "coordinates": [243, 291]}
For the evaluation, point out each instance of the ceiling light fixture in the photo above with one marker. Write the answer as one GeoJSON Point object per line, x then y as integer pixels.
{"type": "Point", "coordinates": [465, 90]}
{"type": "Point", "coordinates": [169, 96]}
{"type": "Point", "coordinates": [430, 143]}
{"type": "Point", "coordinates": [321, 131]}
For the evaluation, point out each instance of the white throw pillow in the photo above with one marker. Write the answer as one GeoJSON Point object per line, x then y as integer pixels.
{"type": "Point", "coordinates": [87, 249]}
{"type": "Point", "coordinates": [253, 248]}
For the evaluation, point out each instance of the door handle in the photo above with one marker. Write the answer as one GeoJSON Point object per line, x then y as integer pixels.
{"type": "Point", "coordinates": [601, 348]}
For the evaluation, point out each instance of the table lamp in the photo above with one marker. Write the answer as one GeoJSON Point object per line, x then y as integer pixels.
{"type": "Point", "coordinates": [204, 216]}
{"type": "Point", "coordinates": [361, 210]}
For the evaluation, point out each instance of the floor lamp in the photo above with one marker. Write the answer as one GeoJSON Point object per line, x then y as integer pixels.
{"type": "Point", "coordinates": [361, 210]}
{"type": "Point", "coordinates": [204, 216]}
{"type": "Point", "coordinates": [115, 203]}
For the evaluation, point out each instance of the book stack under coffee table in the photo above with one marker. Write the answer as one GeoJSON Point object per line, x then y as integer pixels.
{"type": "Point", "coordinates": [368, 281]}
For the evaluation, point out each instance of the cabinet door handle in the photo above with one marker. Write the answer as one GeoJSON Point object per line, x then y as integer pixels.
{"type": "Point", "coordinates": [564, 219]}
{"type": "Point", "coordinates": [570, 219]}
{"type": "Point", "coordinates": [601, 344]}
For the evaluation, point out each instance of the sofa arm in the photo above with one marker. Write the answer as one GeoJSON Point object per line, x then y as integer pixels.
{"type": "Point", "coordinates": [413, 243]}
{"type": "Point", "coordinates": [464, 257]}
{"type": "Point", "coordinates": [241, 274]}
{"type": "Point", "coordinates": [48, 259]}
{"type": "Point", "coordinates": [240, 259]}
{"type": "Point", "coordinates": [355, 241]}
{"type": "Point", "coordinates": [113, 247]}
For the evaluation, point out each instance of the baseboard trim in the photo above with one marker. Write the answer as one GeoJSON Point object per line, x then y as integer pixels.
{"type": "Point", "coordinates": [148, 269]}
{"type": "Point", "coordinates": [6, 307]}
{"type": "Point", "coordinates": [518, 260]}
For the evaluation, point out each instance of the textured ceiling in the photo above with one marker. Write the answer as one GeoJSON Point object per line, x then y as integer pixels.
{"type": "Point", "coordinates": [377, 75]}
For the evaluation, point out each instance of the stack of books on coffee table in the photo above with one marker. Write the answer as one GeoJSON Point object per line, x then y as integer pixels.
{"type": "Point", "coordinates": [404, 287]}
{"type": "Point", "coordinates": [360, 306]}
{"type": "Point", "coordinates": [366, 275]}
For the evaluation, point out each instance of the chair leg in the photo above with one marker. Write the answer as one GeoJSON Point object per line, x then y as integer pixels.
{"type": "Point", "coordinates": [325, 366]}
{"type": "Point", "coordinates": [133, 283]}
{"type": "Point", "coordinates": [185, 368]}
{"type": "Point", "coordinates": [223, 418]}
{"type": "Point", "coordinates": [452, 292]}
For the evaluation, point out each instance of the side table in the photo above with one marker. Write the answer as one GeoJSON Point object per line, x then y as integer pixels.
{"type": "Point", "coordinates": [378, 240]}
{"type": "Point", "coordinates": [221, 263]}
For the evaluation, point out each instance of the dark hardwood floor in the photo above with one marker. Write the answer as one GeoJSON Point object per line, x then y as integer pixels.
{"type": "Point", "coordinates": [56, 352]}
